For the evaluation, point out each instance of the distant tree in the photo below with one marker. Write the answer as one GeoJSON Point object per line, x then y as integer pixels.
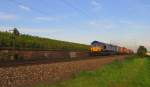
{"type": "Point", "coordinates": [16, 32]}
{"type": "Point", "coordinates": [142, 51]}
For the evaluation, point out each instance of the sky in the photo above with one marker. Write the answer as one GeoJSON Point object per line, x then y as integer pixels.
{"type": "Point", "coordinates": [120, 22]}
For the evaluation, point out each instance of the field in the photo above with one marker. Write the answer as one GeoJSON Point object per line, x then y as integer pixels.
{"type": "Point", "coordinates": [38, 43]}
{"type": "Point", "coordinates": [133, 72]}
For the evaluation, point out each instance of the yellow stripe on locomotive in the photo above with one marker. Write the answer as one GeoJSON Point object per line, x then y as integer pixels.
{"type": "Point", "coordinates": [96, 49]}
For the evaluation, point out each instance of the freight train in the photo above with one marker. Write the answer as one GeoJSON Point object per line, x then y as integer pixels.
{"type": "Point", "coordinates": [99, 48]}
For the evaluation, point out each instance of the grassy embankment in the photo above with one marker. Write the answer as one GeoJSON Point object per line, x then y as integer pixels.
{"type": "Point", "coordinates": [131, 73]}
{"type": "Point", "coordinates": [38, 43]}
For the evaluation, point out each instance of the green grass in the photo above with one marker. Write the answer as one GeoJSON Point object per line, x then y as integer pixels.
{"type": "Point", "coordinates": [131, 73]}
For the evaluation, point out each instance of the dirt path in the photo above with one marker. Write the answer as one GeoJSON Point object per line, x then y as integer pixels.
{"type": "Point", "coordinates": [33, 74]}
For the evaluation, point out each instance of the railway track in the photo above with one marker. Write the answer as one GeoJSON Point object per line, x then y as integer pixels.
{"type": "Point", "coordinates": [38, 62]}
{"type": "Point", "coordinates": [29, 74]}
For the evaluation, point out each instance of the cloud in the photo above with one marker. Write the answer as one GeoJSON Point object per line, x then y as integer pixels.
{"type": "Point", "coordinates": [102, 24]}
{"type": "Point", "coordinates": [24, 7]}
{"type": "Point", "coordinates": [44, 32]}
{"type": "Point", "coordinates": [37, 30]}
{"type": "Point", "coordinates": [96, 5]}
{"type": "Point", "coordinates": [6, 16]}
{"type": "Point", "coordinates": [42, 18]}
{"type": "Point", "coordinates": [117, 24]}
{"type": "Point", "coordinates": [126, 22]}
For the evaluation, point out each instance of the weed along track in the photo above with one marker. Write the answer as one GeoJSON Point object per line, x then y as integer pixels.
{"type": "Point", "coordinates": [32, 74]}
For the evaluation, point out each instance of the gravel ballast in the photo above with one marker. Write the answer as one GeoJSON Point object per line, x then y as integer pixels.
{"type": "Point", "coordinates": [24, 76]}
